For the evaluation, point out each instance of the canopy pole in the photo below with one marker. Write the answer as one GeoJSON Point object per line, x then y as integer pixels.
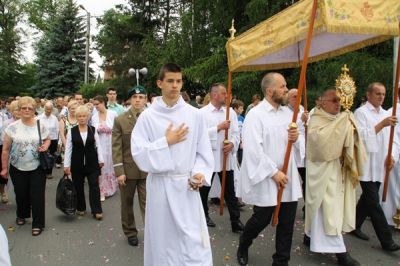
{"type": "Point", "coordinates": [394, 109]}
{"type": "Point", "coordinates": [300, 88]}
{"type": "Point", "coordinates": [226, 141]}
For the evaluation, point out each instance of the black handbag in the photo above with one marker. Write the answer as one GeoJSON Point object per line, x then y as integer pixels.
{"type": "Point", "coordinates": [45, 158]}
{"type": "Point", "coordinates": [66, 198]}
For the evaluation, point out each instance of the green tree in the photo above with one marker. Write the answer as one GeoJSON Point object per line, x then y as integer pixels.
{"type": "Point", "coordinates": [10, 45]}
{"type": "Point", "coordinates": [61, 55]}
{"type": "Point", "coordinates": [41, 13]}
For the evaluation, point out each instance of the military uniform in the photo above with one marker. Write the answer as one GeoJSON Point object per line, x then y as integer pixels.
{"type": "Point", "coordinates": [124, 165]}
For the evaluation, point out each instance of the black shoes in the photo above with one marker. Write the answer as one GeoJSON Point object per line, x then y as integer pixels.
{"type": "Point", "coordinates": [210, 223]}
{"type": "Point", "coordinates": [237, 226]}
{"type": "Point", "coordinates": [345, 259]}
{"type": "Point", "coordinates": [306, 240]}
{"type": "Point", "coordinates": [242, 255]}
{"type": "Point", "coordinates": [358, 233]}
{"type": "Point", "coordinates": [392, 247]}
{"type": "Point", "coordinates": [133, 241]}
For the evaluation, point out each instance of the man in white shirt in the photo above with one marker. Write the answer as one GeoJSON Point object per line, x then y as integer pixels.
{"type": "Point", "coordinates": [265, 136]}
{"type": "Point", "coordinates": [374, 125]}
{"type": "Point", "coordinates": [215, 116]}
{"type": "Point", "coordinates": [170, 143]}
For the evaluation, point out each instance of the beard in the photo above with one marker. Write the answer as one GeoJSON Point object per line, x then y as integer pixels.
{"type": "Point", "coordinates": [282, 100]}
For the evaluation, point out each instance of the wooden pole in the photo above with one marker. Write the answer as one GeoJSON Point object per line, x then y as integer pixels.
{"type": "Point", "coordinates": [226, 141]}
{"type": "Point", "coordinates": [394, 109]}
{"type": "Point", "coordinates": [300, 88]}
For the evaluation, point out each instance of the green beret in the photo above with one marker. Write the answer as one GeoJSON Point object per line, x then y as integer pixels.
{"type": "Point", "coordinates": [137, 90]}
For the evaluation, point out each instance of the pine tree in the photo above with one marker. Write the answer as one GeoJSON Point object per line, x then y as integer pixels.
{"type": "Point", "coordinates": [61, 55]}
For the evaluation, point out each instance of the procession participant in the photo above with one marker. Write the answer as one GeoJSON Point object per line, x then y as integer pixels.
{"type": "Point", "coordinates": [21, 149]}
{"type": "Point", "coordinates": [392, 202]}
{"type": "Point", "coordinates": [292, 96]}
{"type": "Point", "coordinates": [83, 158]}
{"type": "Point", "coordinates": [373, 122]}
{"type": "Point", "coordinates": [103, 121]}
{"type": "Point", "coordinates": [215, 116]}
{"type": "Point", "coordinates": [129, 177]}
{"type": "Point", "coordinates": [265, 137]}
{"type": "Point", "coordinates": [330, 190]}
{"type": "Point", "coordinates": [112, 103]}
{"type": "Point", "coordinates": [68, 122]}
{"type": "Point", "coordinates": [51, 122]}
{"type": "Point", "coordinates": [170, 142]}
{"type": "Point", "coordinates": [254, 101]}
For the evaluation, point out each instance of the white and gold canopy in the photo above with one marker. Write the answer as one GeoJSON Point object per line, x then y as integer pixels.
{"type": "Point", "coordinates": [340, 26]}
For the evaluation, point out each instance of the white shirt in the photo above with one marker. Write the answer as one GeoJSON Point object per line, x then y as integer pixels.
{"type": "Point", "coordinates": [300, 161]}
{"type": "Point", "coordinates": [68, 147]}
{"type": "Point", "coordinates": [265, 138]}
{"type": "Point", "coordinates": [367, 118]}
{"type": "Point", "coordinates": [213, 117]}
{"type": "Point", "coordinates": [51, 123]}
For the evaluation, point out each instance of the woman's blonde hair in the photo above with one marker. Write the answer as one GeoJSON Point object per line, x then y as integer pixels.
{"type": "Point", "coordinates": [72, 103]}
{"type": "Point", "coordinates": [13, 106]}
{"type": "Point", "coordinates": [26, 100]}
{"type": "Point", "coordinates": [82, 109]}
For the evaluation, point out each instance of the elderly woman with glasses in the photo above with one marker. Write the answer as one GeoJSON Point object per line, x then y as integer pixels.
{"type": "Point", "coordinates": [21, 148]}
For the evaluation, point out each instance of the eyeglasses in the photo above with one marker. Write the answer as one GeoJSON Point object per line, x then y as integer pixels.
{"type": "Point", "coordinates": [26, 108]}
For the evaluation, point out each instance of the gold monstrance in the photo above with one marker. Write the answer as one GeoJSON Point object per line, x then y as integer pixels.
{"type": "Point", "coordinates": [345, 89]}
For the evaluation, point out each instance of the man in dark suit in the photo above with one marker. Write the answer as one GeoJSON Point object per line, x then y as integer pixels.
{"type": "Point", "coordinates": [129, 176]}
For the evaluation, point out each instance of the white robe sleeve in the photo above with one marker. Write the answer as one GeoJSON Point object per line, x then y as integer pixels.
{"type": "Point", "coordinates": [213, 136]}
{"type": "Point", "coordinates": [4, 253]}
{"type": "Point", "coordinates": [367, 131]}
{"type": "Point", "coordinates": [234, 131]}
{"type": "Point", "coordinates": [299, 147]}
{"type": "Point", "coordinates": [204, 162]}
{"type": "Point", "coordinates": [150, 156]}
{"type": "Point", "coordinates": [261, 165]}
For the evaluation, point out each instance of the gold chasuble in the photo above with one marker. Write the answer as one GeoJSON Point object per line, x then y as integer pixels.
{"type": "Point", "coordinates": [335, 157]}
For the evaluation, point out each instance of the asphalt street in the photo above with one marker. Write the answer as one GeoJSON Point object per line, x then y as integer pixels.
{"type": "Point", "coordinates": [84, 241]}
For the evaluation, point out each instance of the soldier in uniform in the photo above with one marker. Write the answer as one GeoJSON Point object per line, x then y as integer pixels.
{"type": "Point", "coordinates": [128, 174]}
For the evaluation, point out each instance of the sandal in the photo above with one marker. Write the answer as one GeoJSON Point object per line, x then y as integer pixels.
{"type": "Point", "coordinates": [20, 221]}
{"type": "Point", "coordinates": [36, 231]}
{"type": "Point", "coordinates": [98, 216]}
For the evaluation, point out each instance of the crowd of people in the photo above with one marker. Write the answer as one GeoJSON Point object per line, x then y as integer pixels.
{"type": "Point", "coordinates": [173, 151]}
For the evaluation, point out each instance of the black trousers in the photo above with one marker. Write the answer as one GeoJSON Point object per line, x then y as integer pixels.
{"type": "Point", "coordinates": [29, 189]}
{"type": "Point", "coordinates": [230, 197]}
{"type": "Point", "coordinates": [284, 231]}
{"type": "Point", "coordinates": [368, 205]}
{"type": "Point", "coordinates": [52, 151]}
{"type": "Point", "coordinates": [3, 181]}
{"type": "Point", "coordinates": [94, 191]}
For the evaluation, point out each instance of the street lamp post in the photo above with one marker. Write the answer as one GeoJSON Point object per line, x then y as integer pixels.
{"type": "Point", "coordinates": [87, 44]}
{"type": "Point", "coordinates": [137, 71]}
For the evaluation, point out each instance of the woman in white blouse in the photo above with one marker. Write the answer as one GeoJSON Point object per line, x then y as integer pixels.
{"type": "Point", "coordinates": [103, 121]}
{"type": "Point", "coordinates": [21, 148]}
{"type": "Point", "coordinates": [51, 122]}
{"type": "Point", "coordinates": [83, 158]}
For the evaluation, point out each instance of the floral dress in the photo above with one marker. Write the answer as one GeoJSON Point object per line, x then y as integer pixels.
{"type": "Point", "coordinates": [107, 181]}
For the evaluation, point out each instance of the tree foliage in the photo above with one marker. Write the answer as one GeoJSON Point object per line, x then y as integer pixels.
{"type": "Point", "coordinates": [10, 44]}
{"type": "Point", "coordinates": [61, 55]}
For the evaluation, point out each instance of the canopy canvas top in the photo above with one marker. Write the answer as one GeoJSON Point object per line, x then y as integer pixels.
{"type": "Point", "coordinates": [340, 26]}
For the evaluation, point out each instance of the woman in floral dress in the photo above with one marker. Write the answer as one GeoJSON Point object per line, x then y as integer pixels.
{"type": "Point", "coordinates": [103, 121]}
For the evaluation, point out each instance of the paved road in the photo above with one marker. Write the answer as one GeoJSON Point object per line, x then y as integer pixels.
{"type": "Point", "coordinates": [85, 241]}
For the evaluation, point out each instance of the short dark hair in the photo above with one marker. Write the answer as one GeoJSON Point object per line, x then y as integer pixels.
{"type": "Point", "coordinates": [99, 98]}
{"type": "Point", "coordinates": [77, 93]}
{"type": "Point", "coordinates": [168, 67]}
{"type": "Point", "coordinates": [237, 103]}
{"type": "Point", "coordinates": [111, 89]}
{"type": "Point", "coordinates": [215, 85]}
